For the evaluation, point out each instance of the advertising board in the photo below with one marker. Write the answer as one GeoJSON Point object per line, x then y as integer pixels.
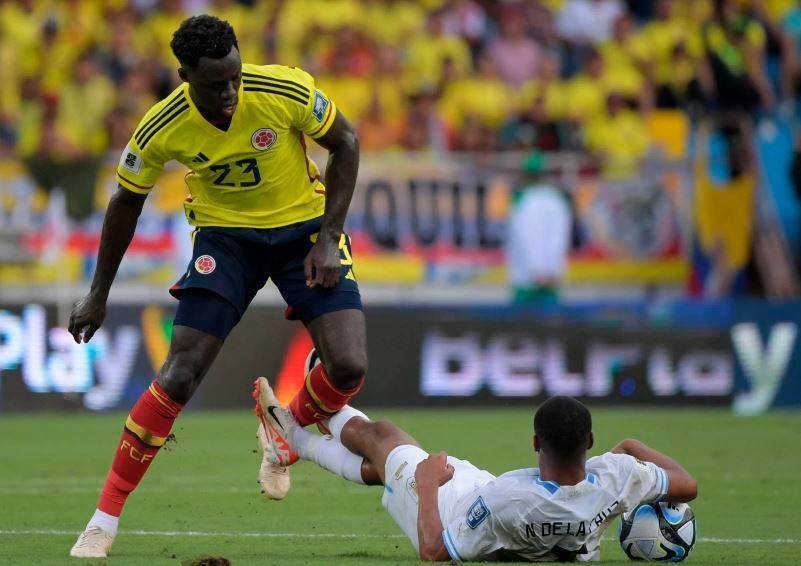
{"type": "Point", "coordinates": [418, 357]}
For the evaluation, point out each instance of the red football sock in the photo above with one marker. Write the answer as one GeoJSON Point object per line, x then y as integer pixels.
{"type": "Point", "coordinates": [145, 431]}
{"type": "Point", "coordinates": [318, 399]}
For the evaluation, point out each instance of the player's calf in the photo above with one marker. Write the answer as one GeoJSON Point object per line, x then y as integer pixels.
{"type": "Point", "coordinates": [341, 341]}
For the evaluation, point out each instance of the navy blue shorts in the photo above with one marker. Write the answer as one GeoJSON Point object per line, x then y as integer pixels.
{"type": "Point", "coordinates": [236, 262]}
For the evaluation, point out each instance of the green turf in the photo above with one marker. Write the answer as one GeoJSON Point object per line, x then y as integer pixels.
{"type": "Point", "coordinates": [53, 465]}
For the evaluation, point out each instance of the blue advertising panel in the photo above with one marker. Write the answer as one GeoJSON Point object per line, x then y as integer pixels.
{"type": "Point", "coordinates": [765, 343]}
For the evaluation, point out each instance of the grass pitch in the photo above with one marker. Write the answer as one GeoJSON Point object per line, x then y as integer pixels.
{"type": "Point", "coordinates": [200, 497]}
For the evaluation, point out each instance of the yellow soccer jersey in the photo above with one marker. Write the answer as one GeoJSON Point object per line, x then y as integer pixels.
{"type": "Point", "coordinates": [256, 174]}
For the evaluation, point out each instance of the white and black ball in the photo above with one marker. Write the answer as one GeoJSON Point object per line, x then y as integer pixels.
{"type": "Point", "coordinates": [658, 532]}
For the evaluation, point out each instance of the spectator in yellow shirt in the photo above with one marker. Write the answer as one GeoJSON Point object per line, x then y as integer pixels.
{"type": "Point", "coordinates": [387, 82]}
{"type": "Point", "coordinates": [84, 104]}
{"type": "Point", "coordinates": [735, 76]}
{"type": "Point", "coordinates": [20, 26]}
{"type": "Point", "coordinates": [618, 138]}
{"type": "Point", "coordinates": [484, 98]}
{"type": "Point", "coordinates": [430, 55]}
{"type": "Point", "coordinates": [155, 33]}
{"type": "Point", "coordinates": [50, 58]}
{"type": "Point", "coordinates": [585, 94]}
{"type": "Point", "coordinates": [80, 21]}
{"type": "Point", "coordinates": [681, 88]}
{"type": "Point", "coordinates": [621, 55]}
{"type": "Point", "coordinates": [392, 22]}
{"type": "Point", "coordinates": [65, 137]}
{"type": "Point", "coordinates": [669, 49]}
{"type": "Point", "coordinates": [548, 86]}
{"type": "Point", "coordinates": [361, 98]}
{"type": "Point", "coordinates": [9, 89]}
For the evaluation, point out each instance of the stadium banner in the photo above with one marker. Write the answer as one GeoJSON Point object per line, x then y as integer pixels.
{"type": "Point", "coordinates": [418, 357]}
{"type": "Point", "coordinates": [415, 218]}
{"type": "Point", "coordinates": [443, 219]}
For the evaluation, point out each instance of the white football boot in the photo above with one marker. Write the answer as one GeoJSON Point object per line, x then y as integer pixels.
{"type": "Point", "coordinates": [94, 542]}
{"type": "Point", "coordinates": [277, 456]}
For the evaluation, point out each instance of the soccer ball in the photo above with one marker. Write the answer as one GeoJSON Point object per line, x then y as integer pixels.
{"type": "Point", "coordinates": [658, 532]}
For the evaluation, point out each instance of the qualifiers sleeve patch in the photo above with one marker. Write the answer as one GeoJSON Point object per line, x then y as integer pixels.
{"type": "Point", "coordinates": [477, 513]}
{"type": "Point", "coordinates": [320, 105]}
{"type": "Point", "coordinates": [131, 161]}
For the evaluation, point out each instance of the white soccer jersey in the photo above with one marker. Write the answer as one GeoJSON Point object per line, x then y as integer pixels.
{"type": "Point", "coordinates": [520, 516]}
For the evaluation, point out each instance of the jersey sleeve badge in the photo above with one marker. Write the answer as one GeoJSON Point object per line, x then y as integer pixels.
{"type": "Point", "coordinates": [320, 105]}
{"type": "Point", "coordinates": [477, 513]}
{"type": "Point", "coordinates": [131, 160]}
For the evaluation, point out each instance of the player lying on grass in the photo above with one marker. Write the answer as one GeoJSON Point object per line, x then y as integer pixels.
{"type": "Point", "coordinates": [451, 510]}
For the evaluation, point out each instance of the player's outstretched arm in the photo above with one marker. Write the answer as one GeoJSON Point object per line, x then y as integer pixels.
{"type": "Point", "coordinates": [431, 474]}
{"type": "Point", "coordinates": [119, 225]}
{"type": "Point", "coordinates": [682, 486]}
{"type": "Point", "coordinates": [323, 265]}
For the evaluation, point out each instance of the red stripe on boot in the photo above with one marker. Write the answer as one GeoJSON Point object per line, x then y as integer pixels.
{"type": "Point", "coordinates": [148, 424]}
{"type": "Point", "coordinates": [318, 399]}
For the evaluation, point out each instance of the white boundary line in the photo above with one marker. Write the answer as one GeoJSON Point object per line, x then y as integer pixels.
{"type": "Point", "coordinates": [714, 540]}
{"type": "Point", "coordinates": [709, 540]}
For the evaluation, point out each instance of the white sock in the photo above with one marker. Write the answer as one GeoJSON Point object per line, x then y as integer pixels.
{"type": "Point", "coordinates": [105, 521]}
{"type": "Point", "coordinates": [337, 422]}
{"type": "Point", "coordinates": [332, 455]}
{"type": "Point", "coordinates": [328, 453]}
{"type": "Point", "coordinates": [303, 442]}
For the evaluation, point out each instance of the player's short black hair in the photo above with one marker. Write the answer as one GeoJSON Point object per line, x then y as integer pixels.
{"type": "Point", "coordinates": [563, 425]}
{"type": "Point", "coordinates": [202, 36]}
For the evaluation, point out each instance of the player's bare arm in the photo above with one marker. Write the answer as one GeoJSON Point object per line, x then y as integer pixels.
{"type": "Point", "coordinates": [322, 265]}
{"type": "Point", "coordinates": [431, 474]}
{"type": "Point", "coordinates": [118, 229]}
{"type": "Point", "coordinates": [682, 487]}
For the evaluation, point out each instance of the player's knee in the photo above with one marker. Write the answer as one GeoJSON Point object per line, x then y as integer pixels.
{"type": "Point", "coordinates": [181, 374]}
{"type": "Point", "coordinates": [179, 384]}
{"type": "Point", "coordinates": [191, 353]}
{"type": "Point", "coordinates": [346, 371]}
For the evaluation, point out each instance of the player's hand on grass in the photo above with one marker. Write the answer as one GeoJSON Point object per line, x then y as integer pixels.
{"type": "Point", "coordinates": [322, 265]}
{"type": "Point", "coordinates": [434, 471]}
{"type": "Point", "coordinates": [86, 317]}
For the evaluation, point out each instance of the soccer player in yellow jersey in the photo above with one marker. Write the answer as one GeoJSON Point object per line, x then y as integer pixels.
{"type": "Point", "coordinates": [261, 211]}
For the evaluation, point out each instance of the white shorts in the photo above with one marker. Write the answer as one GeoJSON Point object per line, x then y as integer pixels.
{"type": "Point", "coordinates": [400, 490]}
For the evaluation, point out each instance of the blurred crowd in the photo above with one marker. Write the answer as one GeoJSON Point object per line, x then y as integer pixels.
{"type": "Point", "coordinates": [416, 75]}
